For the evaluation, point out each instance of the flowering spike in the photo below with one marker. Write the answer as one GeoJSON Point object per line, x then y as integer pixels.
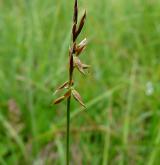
{"type": "Point", "coordinates": [74, 62]}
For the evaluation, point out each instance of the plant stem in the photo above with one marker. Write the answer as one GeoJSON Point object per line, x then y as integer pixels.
{"type": "Point", "coordinates": [68, 131]}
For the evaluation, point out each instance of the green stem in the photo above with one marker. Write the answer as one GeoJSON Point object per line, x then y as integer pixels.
{"type": "Point", "coordinates": [68, 131]}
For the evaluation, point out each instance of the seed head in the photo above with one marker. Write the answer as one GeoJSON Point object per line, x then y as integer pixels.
{"type": "Point", "coordinates": [74, 61]}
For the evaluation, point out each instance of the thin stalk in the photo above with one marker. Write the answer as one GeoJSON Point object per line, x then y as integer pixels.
{"type": "Point", "coordinates": [74, 62]}
{"type": "Point", "coordinates": [68, 131]}
{"type": "Point", "coordinates": [68, 107]}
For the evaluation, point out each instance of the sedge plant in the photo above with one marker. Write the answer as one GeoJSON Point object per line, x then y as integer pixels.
{"type": "Point", "coordinates": [74, 63]}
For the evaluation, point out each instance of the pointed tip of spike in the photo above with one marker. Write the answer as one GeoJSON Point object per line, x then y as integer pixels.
{"type": "Point", "coordinates": [75, 17]}
{"type": "Point", "coordinates": [85, 12]}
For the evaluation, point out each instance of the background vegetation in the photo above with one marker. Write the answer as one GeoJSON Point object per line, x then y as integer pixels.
{"type": "Point", "coordinates": [121, 125]}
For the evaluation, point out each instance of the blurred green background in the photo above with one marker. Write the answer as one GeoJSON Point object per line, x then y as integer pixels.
{"type": "Point", "coordinates": [121, 125]}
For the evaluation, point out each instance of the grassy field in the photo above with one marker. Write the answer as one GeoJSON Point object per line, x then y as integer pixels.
{"type": "Point", "coordinates": [121, 125]}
